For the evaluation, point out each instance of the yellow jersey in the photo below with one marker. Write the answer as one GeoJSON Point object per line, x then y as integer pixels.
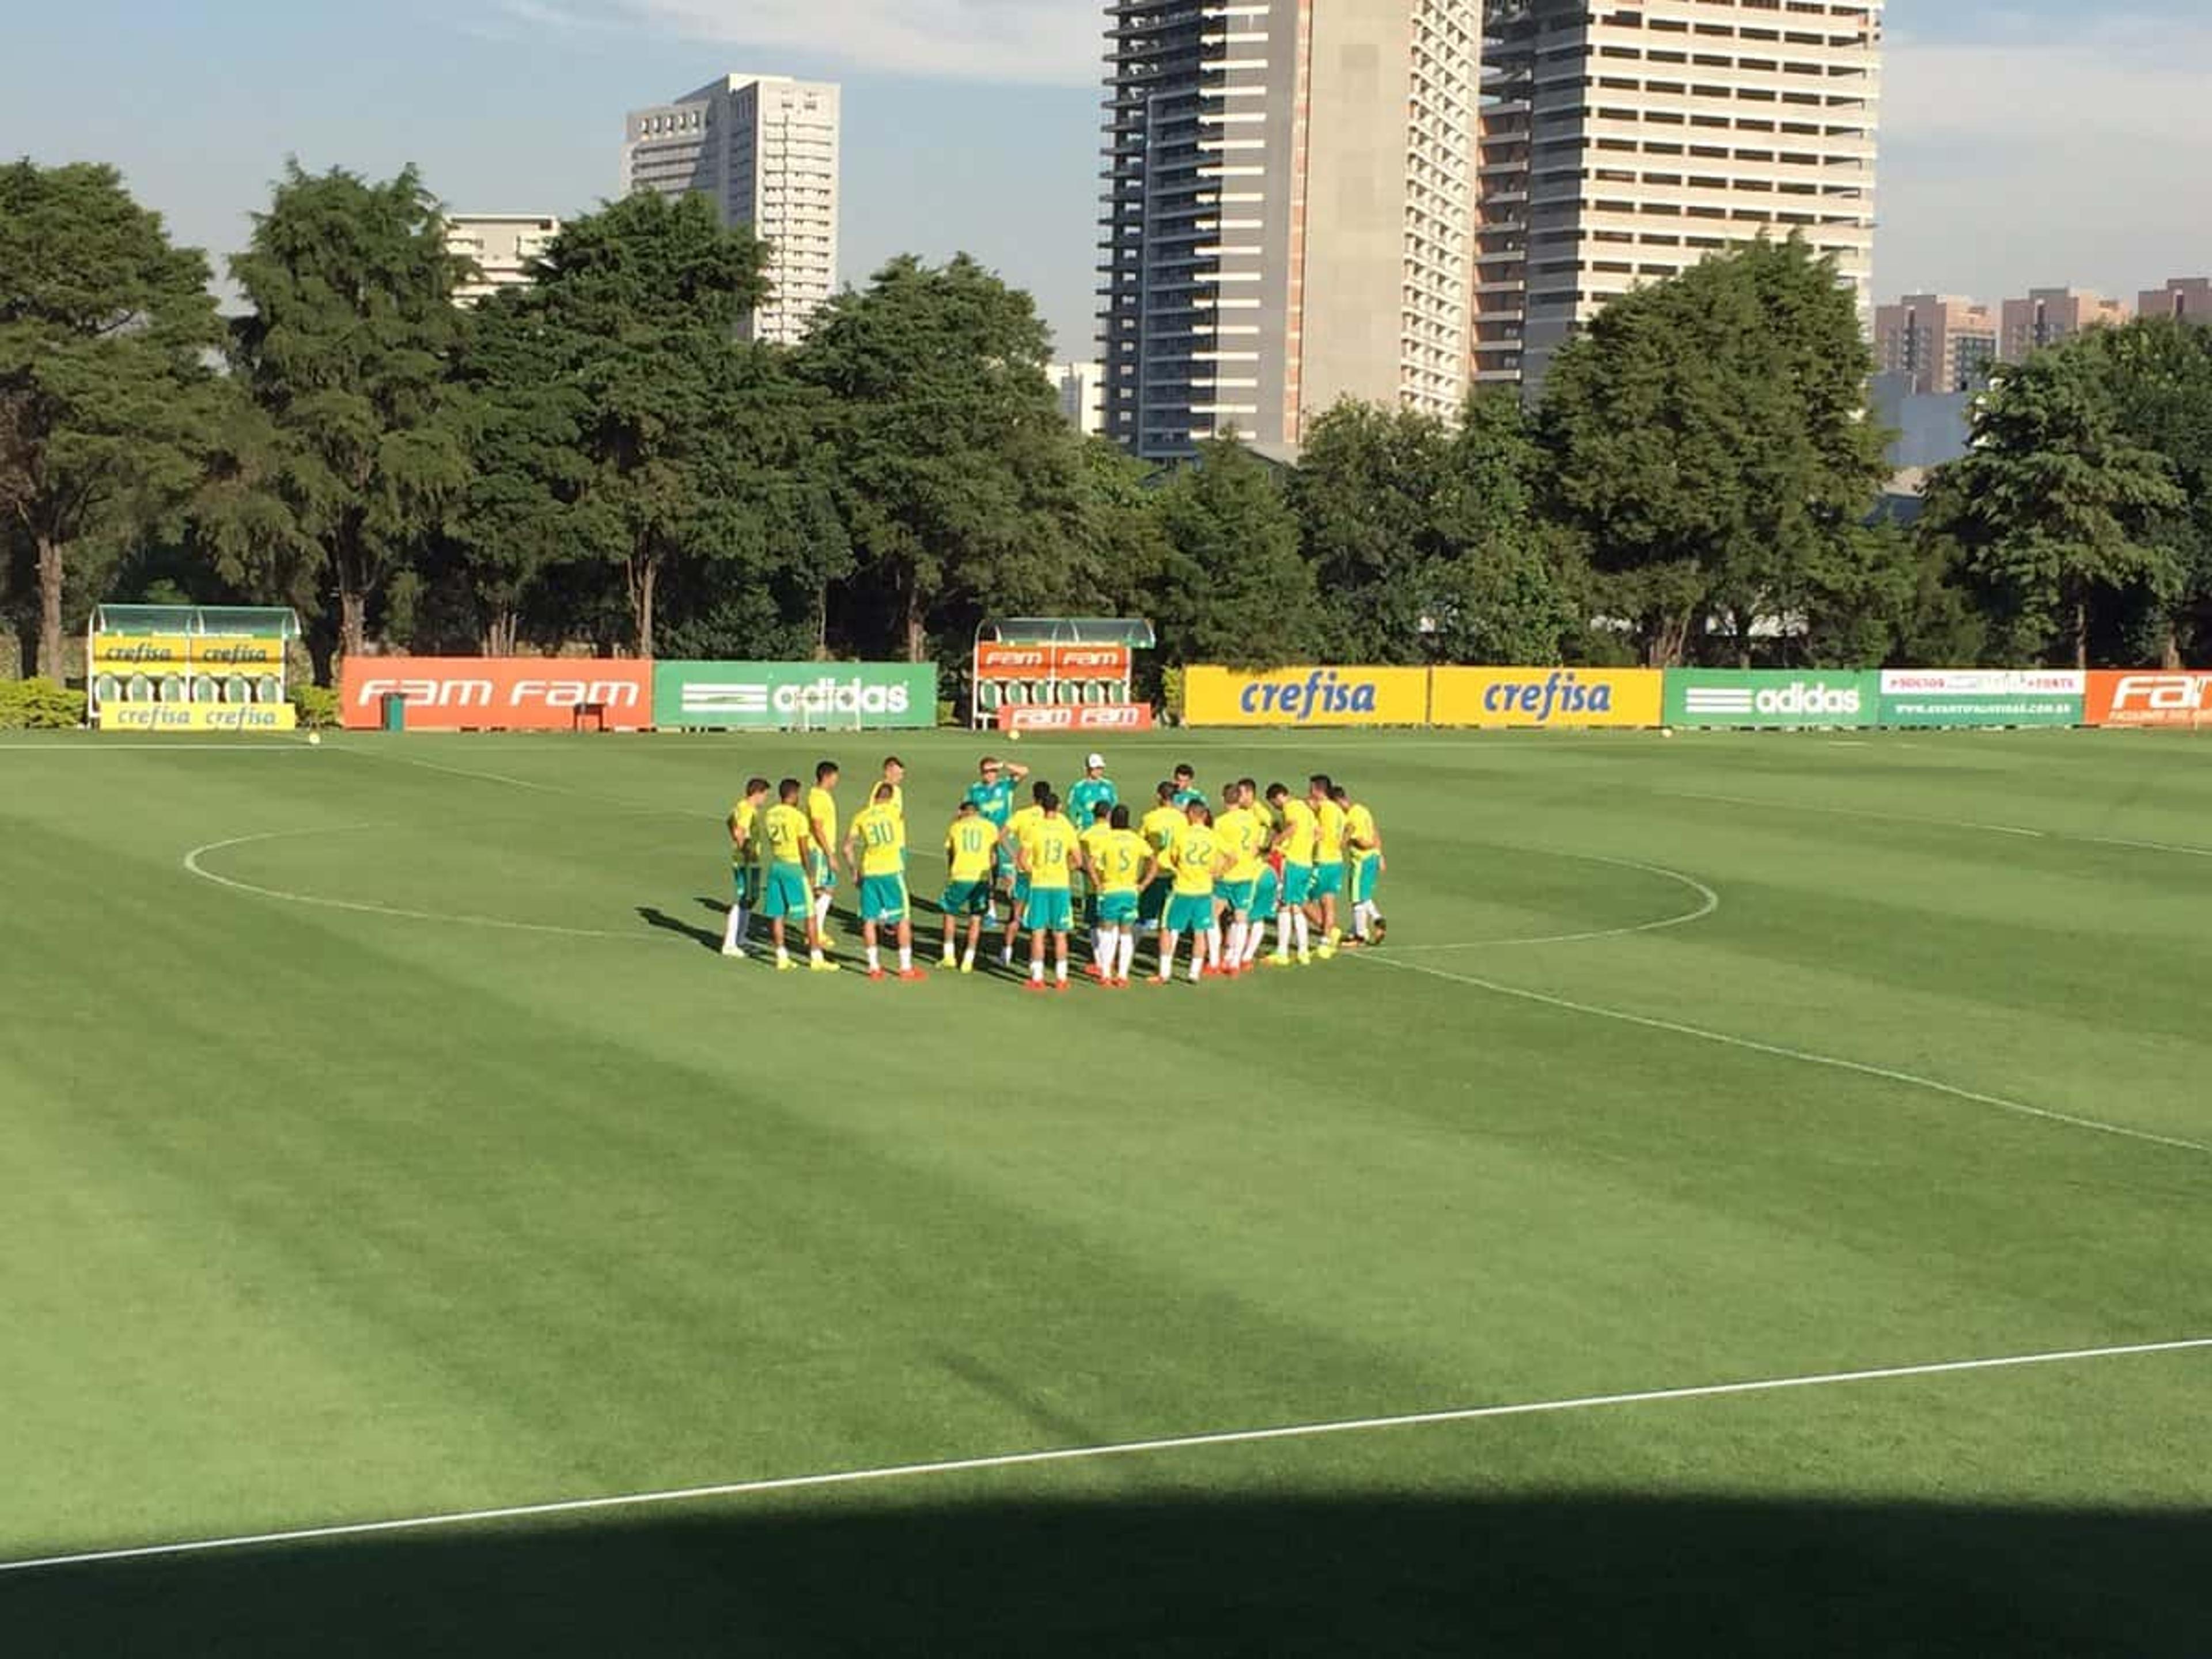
{"type": "Point", "coordinates": [882, 836]}
{"type": "Point", "coordinates": [788, 836]}
{"type": "Point", "coordinates": [1298, 822]}
{"type": "Point", "coordinates": [1118, 860]}
{"type": "Point", "coordinates": [821, 809]}
{"type": "Point", "coordinates": [1093, 840]}
{"type": "Point", "coordinates": [745, 818]}
{"type": "Point", "coordinates": [1329, 839]}
{"type": "Point", "coordinates": [1196, 850]}
{"type": "Point", "coordinates": [1019, 824]}
{"type": "Point", "coordinates": [1240, 838]}
{"type": "Point", "coordinates": [1359, 829]}
{"type": "Point", "coordinates": [969, 845]}
{"type": "Point", "coordinates": [1048, 844]}
{"type": "Point", "coordinates": [897, 800]}
{"type": "Point", "coordinates": [1162, 825]}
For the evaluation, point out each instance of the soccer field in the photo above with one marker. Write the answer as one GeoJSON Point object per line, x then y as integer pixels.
{"type": "Point", "coordinates": [383, 1140]}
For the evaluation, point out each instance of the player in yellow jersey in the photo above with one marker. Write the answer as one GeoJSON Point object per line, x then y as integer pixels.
{"type": "Point", "coordinates": [744, 865]}
{"type": "Point", "coordinates": [875, 853]}
{"type": "Point", "coordinates": [786, 893]}
{"type": "Point", "coordinates": [895, 776]}
{"type": "Point", "coordinates": [1017, 903]}
{"type": "Point", "coordinates": [971, 847]}
{"type": "Point", "coordinates": [1197, 859]}
{"type": "Point", "coordinates": [1363, 844]}
{"type": "Point", "coordinates": [1239, 832]}
{"type": "Point", "coordinates": [1294, 844]}
{"type": "Point", "coordinates": [822, 854]}
{"type": "Point", "coordinates": [1328, 859]}
{"type": "Point", "coordinates": [1266, 886]}
{"type": "Point", "coordinates": [1122, 862]}
{"type": "Point", "coordinates": [1094, 837]}
{"type": "Point", "coordinates": [1048, 855]}
{"type": "Point", "coordinates": [1159, 828]}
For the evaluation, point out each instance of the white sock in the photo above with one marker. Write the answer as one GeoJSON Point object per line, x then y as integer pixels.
{"type": "Point", "coordinates": [1299, 928]}
{"type": "Point", "coordinates": [1168, 942]}
{"type": "Point", "coordinates": [733, 928]}
{"type": "Point", "coordinates": [1129, 954]}
{"type": "Point", "coordinates": [821, 907]}
{"type": "Point", "coordinates": [815, 955]}
{"type": "Point", "coordinates": [874, 964]}
{"type": "Point", "coordinates": [1197, 957]}
{"type": "Point", "coordinates": [948, 947]}
{"type": "Point", "coordinates": [1213, 943]}
{"type": "Point", "coordinates": [1105, 945]}
{"type": "Point", "coordinates": [1036, 970]}
{"type": "Point", "coordinates": [906, 958]}
{"type": "Point", "coordinates": [1063, 970]}
{"type": "Point", "coordinates": [1236, 943]}
{"type": "Point", "coordinates": [1255, 935]}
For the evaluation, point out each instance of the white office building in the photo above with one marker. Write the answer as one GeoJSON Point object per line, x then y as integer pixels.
{"type": "Point", "coordinates": [1080, 386]}
{"type": "Point", "coordinates": [763, 149]}
{"type": "Point", "coordinates": [501, 246]}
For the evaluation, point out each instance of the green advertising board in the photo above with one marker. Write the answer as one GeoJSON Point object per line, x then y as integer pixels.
{"type": "Point", "coordinates": [1759, 697]}
{"type": "Point", "coordinates": [783, 696]}
{"type": "Point", "coordinates": [1982, 696]}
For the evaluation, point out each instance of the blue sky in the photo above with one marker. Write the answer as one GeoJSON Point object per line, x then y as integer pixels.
{"type": "Point", "coordinates": [2027, 143]}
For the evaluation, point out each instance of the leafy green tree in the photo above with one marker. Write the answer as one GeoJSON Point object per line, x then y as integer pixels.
{"type": "Point", "coordinates": [106, 390]}
{"type": "Point", "coordinates": [2158, 373]}
{"type": "Point", "coordinates": [1373, 491]}
{"type": "Point", "coordinates": [346, 351]}
{"type": "Point", "coordinates": [2058, 505]}
{"type": "Point", "coordinates": [957, 478]}
{"type": "Point", "coordinates": [1237, 588]}
{"type": "Point", "coordinates": [1708, 436]}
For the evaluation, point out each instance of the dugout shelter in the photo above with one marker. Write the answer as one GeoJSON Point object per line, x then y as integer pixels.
{"type": "Point", "coordinates": [1055, 662]}
{"type": "Point", "coordinates": [188, 667]}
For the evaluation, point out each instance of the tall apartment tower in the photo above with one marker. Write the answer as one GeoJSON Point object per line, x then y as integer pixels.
{"type": "Point", "coordinates": [2184, 299]}
{"type": "Point", "coordinates": [1288, 198]}
{"type": "Point", "coordinates": [2045, 316]}
{"type": "Point", "coordinates": [763, 149]}
{"type": "Point", "coordinates": [1622, 143]}
{"type": "Point", "coordinates": [1945, 343]}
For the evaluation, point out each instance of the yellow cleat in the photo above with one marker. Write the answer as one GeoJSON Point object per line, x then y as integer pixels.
{"type": "Point", "coordinates": [785, 964]}
{"type": "Point", "coordinates": [823, 967]}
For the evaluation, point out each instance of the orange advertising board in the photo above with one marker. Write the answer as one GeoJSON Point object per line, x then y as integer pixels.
{"type": "Point", "coordinates": [2149, 696]}
{"type": "Point", "coordinates": [453, 694]}
{"type": "Point", "coordinates": [996, 660]}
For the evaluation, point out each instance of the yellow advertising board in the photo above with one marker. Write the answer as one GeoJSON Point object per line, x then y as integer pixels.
{"type": "Point", "coordinates": [198, 717]}
{"type": "Point", "coordinates": [157, 654]}
{"type": "Point", "coordinates": [1545, 698]}
{"type": "Point", "coordinates": [1306, 697]}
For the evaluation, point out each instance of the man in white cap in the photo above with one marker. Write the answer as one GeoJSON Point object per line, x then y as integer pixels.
{"type": "Point", "coordinates": [1093, 790]}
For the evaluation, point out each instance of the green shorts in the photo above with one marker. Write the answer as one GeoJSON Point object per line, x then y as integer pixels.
{"type": "Point", "coordinates": [1021, 887]}
{"type": "Point", "coordinates": [1238, 895]}
{"type": "Point", "coordinates": [1153, 901]}
{"type": "Point", "coordinates": [1117, 909]}
{"type": "Point", "coordinates": [1328, 881]}
{"type": "Point", "coordinates": [1297, 885]}
{"type": "Point", "coordinates": [818, 867]}
{"type": "Point", "coordinates": [1267, 894]}
{"type": "Point", "coordinates": [883, 898]}
{"type": "Point", "coordinates": [786, 894]}
{"type": "Point", "coordinates": [1366, 877]}
{"type": "Point", "coordinates": [966, 898]}
{"type": "Point", "coordinates": [1048, 910]}
{"type": "Point", "coordinates": [1190, 913]}
{"type": "Point", "coordinates": [744, 884]}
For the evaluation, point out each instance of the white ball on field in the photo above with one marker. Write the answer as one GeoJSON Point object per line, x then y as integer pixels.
{"type": "Point", "coordinates": [315, 739]}
{"type": "Point", "coordinates": [1666, 731]}
{"type": "Point", "coordinates": [1014, 734]}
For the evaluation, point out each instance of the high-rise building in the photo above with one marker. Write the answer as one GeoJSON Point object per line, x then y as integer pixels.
{"type": "Point", "coordinates": [763, 149]}
{"type": "Point", "coordinates": [502, 247]}
{"type": "Point", "coordinates": [1622, 144]}
{"type": "Point", "coordinates": [2186, 298]}
{"type": "Point", "coordinates": [1286, 216]}
{"type": "Point", "coordinates": [1080, 386]}
{"type": "Point", "coordinates": [2048, 315]}
{"type": "Point", "coordinates": [1944, 342]}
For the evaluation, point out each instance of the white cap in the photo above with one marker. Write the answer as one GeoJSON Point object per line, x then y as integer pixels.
{"type": "Point", "coordinates": [1091, 761]}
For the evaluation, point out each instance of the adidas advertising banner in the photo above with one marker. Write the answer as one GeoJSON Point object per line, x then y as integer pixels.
{"type": "Point", "coordinates": [769, 697]}
{"type": "Point", "coordinates": [1982, 696]}
{"type": "Point", "coordinates": [1753, 697]}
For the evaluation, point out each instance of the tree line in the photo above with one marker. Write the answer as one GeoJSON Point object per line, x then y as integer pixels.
{"type": "Point", "coordinates": [598, 459]}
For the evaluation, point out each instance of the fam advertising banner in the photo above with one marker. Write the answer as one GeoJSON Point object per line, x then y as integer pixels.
{"type": "Point", "coordinates": [1544, 697]}
{"type": "Point", "coordinates": [1306, 697]}
{"type": "Point", "coordinates": [996, 660]}
{"type": "Point", "coordinates": [2149, 696]}
{"type": "Point", "coordinates": [525, 694]}
{"type": "Point", "coordinates": [1759, 697]}
{"type": "Point", "coordinates": [768, 697]}
{"type": "Point", "coordinates": [1075, 717]}
{"type": "Point", "coordinates": [198, 717]}
{"type": "Point", "coordinates": [1981, 696]}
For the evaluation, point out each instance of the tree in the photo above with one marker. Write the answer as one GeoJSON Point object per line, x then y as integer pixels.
{"type": "Point", "coordinates": [346, 351]}
{"type": "Point", "coordinates": [105, 384]}
{"type": "Point", "coordinates": [1708, 435]}
{"type": "Point", "coordinates": [956, 476]}
{"type": "Point", "coordinates": [1237, 589]}
{"type": "Point", "coordinates": [1373, 491]}
{"type": "Point", "coordinates": [2056, 504]}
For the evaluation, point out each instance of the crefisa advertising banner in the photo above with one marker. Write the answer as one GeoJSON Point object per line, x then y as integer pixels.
{"type": "Point", "coordinates": [1306, 697]}
{"type": "Point", "coordinates": [1982, 696]}
{"type": "Point", "coordinates": [1544, 697]}
{"type": "Point", "coordinates": [768, 697]}
{"type": "Point", "coordinates": [1751, 697]}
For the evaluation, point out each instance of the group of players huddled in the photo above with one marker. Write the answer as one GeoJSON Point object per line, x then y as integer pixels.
{"type": "Point", "coordinates": [1309, 862]}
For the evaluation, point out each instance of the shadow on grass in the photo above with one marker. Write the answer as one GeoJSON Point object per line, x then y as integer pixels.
{"type": "Point", "coordinates": [656, 918]}
{"type": "Point", "coordinates": [1538, 1575]}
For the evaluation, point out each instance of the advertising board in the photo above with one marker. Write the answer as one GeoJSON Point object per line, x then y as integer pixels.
{"type": "Point", "coordinates": [1076, 717]}
{"type": "Point", "coordinates": [1981, 696]}
{"type": "Point", "coordinates": [527, 694]}
{"type": "Point", "coordinates": [998, 661]}
{"type": "Point", "coordinates": [198, 717]}
{"type": "Point", "coordinates": [1744, 697]}
{"type": "Point", "coordinates": [1544, 697]}
{"type": "Point", "coordinates": [1306, 697]}
{"type": "Point", "coordinates": [768, 697]}
{"type": "Point", "coordinates": [2149, 697]}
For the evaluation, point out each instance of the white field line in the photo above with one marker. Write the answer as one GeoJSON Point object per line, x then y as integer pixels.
{"type": "Point", "coordinates": [1709, 902]}
{"type": "Point", "coordinates": [360, 907]}
{"type": "Point", "coordinates": [1781, 1051]}
{"type": "Point", "coordinates": [1858, 812]}
{"type": "Point", "coordinates": [519, 783]}
{"type": "Point", "coordinates": [260, 745]}
{"type": "Point", "coordinates": [2147, 846]}
{"type": "Point", "coordinates": [1079, 1454]}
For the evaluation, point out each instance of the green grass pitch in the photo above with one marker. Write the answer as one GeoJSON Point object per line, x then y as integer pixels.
{"type": "Point", "coordinates": [413, 1153]}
